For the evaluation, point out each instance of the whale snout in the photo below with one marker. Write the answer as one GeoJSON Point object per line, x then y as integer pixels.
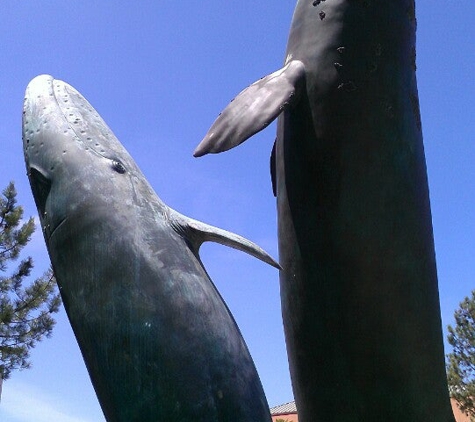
{"type": "Point", "coordinates": [39, 85]}
{"type": "Point", "coordinates": [48, 120]}
{"type": "Point", "coordinates": [39, 93]}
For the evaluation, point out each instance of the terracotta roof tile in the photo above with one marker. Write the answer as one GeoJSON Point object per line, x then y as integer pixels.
{"type": "Point", "coordinates": [284, 408]}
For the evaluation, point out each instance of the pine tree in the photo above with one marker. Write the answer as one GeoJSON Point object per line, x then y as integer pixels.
{"type": "Point", "coordinates": [25, 308]}
{"type": "Point", "coordinates": [461, 362]}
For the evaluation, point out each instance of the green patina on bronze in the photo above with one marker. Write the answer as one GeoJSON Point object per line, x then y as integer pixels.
{"type": "Point", "coordinates": [158, 340]}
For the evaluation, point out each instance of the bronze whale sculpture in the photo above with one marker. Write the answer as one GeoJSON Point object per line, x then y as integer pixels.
{"type": "Point", "coordinates": [359, 284]}
{"type": "Point", "coordinates": [157, 339]}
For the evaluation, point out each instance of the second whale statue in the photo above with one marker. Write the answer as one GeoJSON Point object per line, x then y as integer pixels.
{"type": "Point", "coordinates": [157, 338]}
{"type": "Point", "coordinates": [360, 301]}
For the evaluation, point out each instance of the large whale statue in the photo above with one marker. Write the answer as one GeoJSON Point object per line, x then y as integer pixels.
{"type": "Point", "coordinates": [359, 284]}
{"type": "Point", "coordinates": [157, 338]}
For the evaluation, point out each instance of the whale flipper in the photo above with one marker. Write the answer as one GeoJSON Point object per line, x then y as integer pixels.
{"type": "Point", "coordinates": [254, 109]}
{"type": "Point", "coordinates": [197, 232]}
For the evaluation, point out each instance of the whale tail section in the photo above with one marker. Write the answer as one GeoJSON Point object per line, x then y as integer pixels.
{"type": "Point", "coordinates": [254, 109]}
{"type": "Point", "coordinates": [196, 233]}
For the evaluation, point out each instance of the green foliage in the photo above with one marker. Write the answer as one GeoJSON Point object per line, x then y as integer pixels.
{"type": "Point", "coordinates": [25, 310]}
{"type": "Point", "coordinates": [461, 362]}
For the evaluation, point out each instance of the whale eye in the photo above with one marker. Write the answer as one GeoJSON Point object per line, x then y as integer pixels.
{"type": "Point", "coordinates": [118, 166]}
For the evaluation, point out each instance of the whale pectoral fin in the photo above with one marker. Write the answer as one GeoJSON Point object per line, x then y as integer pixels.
{"type": "Point", "coordinates": [196, 233]}
{"type": "Point", "coordinates": [254, 109]}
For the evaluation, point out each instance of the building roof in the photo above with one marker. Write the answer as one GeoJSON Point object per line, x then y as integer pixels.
{"type": "Point", "coordinates": [290, 408]}
{"type": "Point", "coordinates": [284, 408]}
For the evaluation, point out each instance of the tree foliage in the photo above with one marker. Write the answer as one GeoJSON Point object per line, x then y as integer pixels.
{"type": "Point", "coordinates": [461, 362]}
{"type": "Point", "coordinates": [25, 308]}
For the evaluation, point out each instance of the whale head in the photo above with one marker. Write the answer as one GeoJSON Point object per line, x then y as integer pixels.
{"type": "Point", "coordinates": [74, 162]}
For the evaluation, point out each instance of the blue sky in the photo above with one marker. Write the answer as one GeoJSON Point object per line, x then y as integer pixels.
{"type": "Point", "coordinates": [159, 73]}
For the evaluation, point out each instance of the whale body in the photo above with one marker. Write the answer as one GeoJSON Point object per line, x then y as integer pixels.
{"type": "Point", "coordinates": [157, 338]}
{"type": "Point", "coordinates": [359, 287]}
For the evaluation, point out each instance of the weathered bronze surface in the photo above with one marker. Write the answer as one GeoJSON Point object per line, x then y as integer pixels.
{"type": "Point", "coordinates": [157, 339]}
{"type": "Point", "coordinates": [359, 284]}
